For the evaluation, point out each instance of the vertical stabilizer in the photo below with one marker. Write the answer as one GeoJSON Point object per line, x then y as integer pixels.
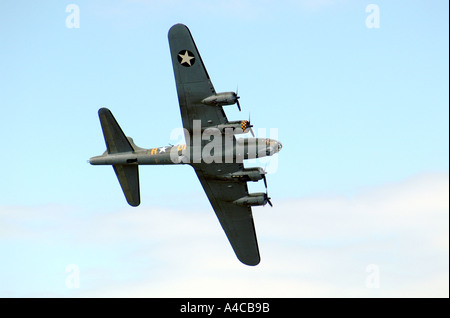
{"type": "Point", "coordinates": [115, 139]}
{"type": "Point", "coordinates": [117, 142]}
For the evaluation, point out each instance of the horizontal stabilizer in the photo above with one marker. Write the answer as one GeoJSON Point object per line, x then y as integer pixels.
{"type": "Point", "coordinates": [115, 139]}
{"type": "Point", "coordinates": [128, 176]}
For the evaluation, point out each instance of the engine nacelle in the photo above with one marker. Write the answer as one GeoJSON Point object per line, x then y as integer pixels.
{"type": "Point", "coordinates": [221, 99]}
{"type": "Point", "coordinates": [249, 174]}
{"type": "Point", "coordinates": [252, 199]}
{"type": "Point", "coordinates": [236, 127]}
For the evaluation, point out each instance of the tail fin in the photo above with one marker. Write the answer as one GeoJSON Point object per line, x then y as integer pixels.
{"type": "Point", "coordinates": [115, 139]}
{"type": "Point", "coordinates": [117, 142]}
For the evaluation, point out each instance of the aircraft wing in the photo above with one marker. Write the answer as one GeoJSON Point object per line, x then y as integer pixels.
{"type": "Point", "coordinates": [194, 85]}
{"type": "Point", "coordinates": [192, 80]}
{"type": "Point", "coordinates": [236, 221]}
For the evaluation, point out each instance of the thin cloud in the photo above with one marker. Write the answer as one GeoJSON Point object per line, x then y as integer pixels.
{"type": "Point", "coordinates": [310, 247]}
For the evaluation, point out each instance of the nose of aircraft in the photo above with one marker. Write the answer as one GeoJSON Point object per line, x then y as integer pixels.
{"type": "Point", "coordinates": [279, 146]}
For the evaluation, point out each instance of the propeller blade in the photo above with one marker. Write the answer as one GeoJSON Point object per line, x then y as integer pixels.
{"type": "Point", "coordinates": [236, 96]}
{"type": "Point", "coordinates": [250, 126]}
{"type": "Point", "coordinates": [265, 181]}
{"type": "Point", "coordinates": [267, 195]}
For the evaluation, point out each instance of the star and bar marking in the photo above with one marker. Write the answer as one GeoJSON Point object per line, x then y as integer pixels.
{"type": "Point", "coordinates": [186, 58]}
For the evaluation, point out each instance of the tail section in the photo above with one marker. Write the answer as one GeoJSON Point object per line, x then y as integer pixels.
{"type": "Point", "coordinates": [117, 142]}
{"type": "Point", "coordinates": [129, 181]}
{"type": "Point", "coordinates": [115, 139]}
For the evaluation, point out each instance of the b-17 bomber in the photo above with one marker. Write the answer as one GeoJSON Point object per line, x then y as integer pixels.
{"type": "Point", "coordinates": [211, 148]}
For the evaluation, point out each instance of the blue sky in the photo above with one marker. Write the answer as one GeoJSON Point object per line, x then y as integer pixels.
{"type": "Point", "coordinates": [362, 114]}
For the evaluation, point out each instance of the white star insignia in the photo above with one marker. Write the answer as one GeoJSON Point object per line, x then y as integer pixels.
{"type": "Point", "coordinates": [186, 58]}
{"type": "Point", "coordinates": [162, 149]}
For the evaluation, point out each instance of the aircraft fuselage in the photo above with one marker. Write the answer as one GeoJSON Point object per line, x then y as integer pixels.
{"type": "Point", "coordinates": [211, 152]}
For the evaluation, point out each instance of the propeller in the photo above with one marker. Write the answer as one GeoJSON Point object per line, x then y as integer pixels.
{"type": "Point", "coordinates": [268, 200]}
{"type": "Point", "coordinates": [246, 124]}
{"type": "Point", "coordinates": [267, 194]}
{"type": "Point", "coordinates": [250, 126]}
{"type": "Point", "coordinates": [236, 97]}
{"type": "Point", "coordinates": [264, 178]}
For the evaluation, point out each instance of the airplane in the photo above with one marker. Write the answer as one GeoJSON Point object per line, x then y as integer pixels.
{"type": "Point", "coordinates": [211, 149]}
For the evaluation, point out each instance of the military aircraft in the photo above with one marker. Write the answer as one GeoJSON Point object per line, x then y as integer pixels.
{"type": "Point", "coordinates": [211, 148]}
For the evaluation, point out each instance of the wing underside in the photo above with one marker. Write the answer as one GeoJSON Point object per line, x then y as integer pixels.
{"type": "Point", "coordinates": [194, 85]}
{"type": "Point", "coordinates": [192, 80]}
{"type": "Point", "coordinates": [236, 221]}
